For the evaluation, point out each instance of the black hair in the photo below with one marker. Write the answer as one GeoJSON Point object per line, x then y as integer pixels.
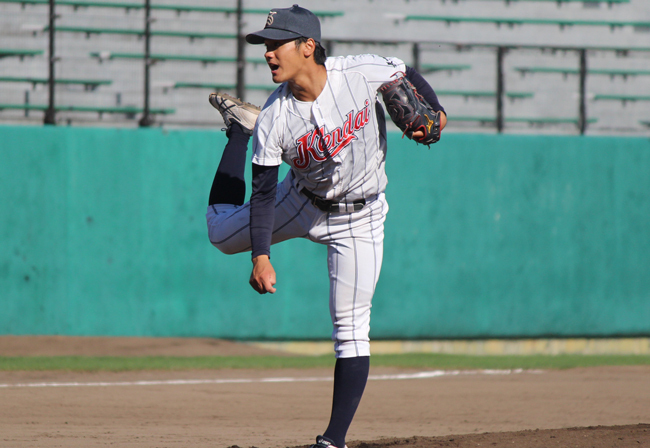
{"type": "Point", "coordinates": [319, 52]}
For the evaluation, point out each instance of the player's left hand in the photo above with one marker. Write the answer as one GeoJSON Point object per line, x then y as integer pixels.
{"type": "Point", "coordinates": [411, 112]}
{"type": "Point", "coordinates": [263, 276]}
{"type": "Point", "coordinates": [443, 122]}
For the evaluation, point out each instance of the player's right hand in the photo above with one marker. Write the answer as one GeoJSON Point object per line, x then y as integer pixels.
{"type": "Point", "coordinates": [263, 276]}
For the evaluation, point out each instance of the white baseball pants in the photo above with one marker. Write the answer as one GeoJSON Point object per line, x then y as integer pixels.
{"type": "Point", "coordinates": [354, 253]}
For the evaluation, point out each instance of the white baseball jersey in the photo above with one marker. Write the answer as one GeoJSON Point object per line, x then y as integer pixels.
{"type": "Point", "coordinates": [334, 144]}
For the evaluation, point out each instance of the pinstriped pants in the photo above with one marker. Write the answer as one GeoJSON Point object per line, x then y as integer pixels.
{"type": "Point", "coordinates": [354, 253]}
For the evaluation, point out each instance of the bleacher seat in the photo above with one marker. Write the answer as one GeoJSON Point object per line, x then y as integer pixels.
{"type": "Point", "coordinates": [566, 1]}
{"type": "Point", "coordinates": [529, 21]}
{"type": "Point", "coordinates": [168, 7]}
{"type": "Point", "coordinates": [483, 93]}
{"type": "Point", "coordinates": [140, 32]}
{"type": "Point", "coordinates": [19, 53]}
{"type": "Point", "coordinates": [428, 68]}
{"type": "Point", "coordinates": [89, 84]}
{"type": "Point", "coordinates": [460, 65]}
{"type": "Point", "coordinates": [623, 98]}
{"type": "Point", "coordinates": [108, 55]}
{"type": "Point", "coordinates": [591, 71]}
{"type": "Point", "coordinates": [129, 110]}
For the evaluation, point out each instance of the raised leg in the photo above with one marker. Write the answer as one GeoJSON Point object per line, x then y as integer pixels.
{"type": "Point", "coordinates": [229, 186]}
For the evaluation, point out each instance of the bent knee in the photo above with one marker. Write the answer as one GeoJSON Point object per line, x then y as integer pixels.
{"type": "Point", "coordinates": [227, 244]}
{"type": "Point", "coordinates": [227, 249]}
{"type": "Point", "coordinates": [228, 235]}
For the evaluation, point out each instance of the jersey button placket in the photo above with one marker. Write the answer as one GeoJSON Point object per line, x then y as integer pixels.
{"type": "Point", "coordinates": [319, 119]}
{"type": "Point", "coordinates": [318, 115]}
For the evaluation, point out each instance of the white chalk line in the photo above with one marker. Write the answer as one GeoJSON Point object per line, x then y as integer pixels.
{"type": "Point", "coordinates": [393, 377]}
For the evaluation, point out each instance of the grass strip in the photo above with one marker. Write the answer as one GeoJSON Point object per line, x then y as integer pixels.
{"type": "Point", "coordinates": [442, 361]}
{"type": "Point", "coordinates": [419, 361]}
{"type": "Point", "coordinates": [121, 364]}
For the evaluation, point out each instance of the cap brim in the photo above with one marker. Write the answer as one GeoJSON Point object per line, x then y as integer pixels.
{"type": "Point", "coordinates": [270, 34]}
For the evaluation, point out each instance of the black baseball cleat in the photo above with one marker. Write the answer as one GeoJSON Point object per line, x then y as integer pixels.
{"type": "Point", "coordinates": [324, 442]}
{"type": "Point", "coordinates": [234, 110]}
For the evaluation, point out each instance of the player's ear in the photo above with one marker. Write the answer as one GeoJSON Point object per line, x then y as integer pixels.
{"type": "Point", "coordinates": [308, 48]}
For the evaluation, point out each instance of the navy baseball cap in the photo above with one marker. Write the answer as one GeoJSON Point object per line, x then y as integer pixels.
{"type": "Point", "coordinates": [287, 23]}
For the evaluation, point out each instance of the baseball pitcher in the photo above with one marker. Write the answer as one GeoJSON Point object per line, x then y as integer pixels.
{"type": "Point", "coordinates": [325, 121]}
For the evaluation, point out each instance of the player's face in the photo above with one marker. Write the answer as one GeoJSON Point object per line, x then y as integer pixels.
{"type": "Point", "coordinates": [284, 58]}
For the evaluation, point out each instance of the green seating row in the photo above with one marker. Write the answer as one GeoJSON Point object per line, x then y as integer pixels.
{"type": "Point", "coordinates": [203, 85]}
{"type": "Point", "coordinates": [190, 34]}
{"type": "Point", "coordinates": [523, 21]}
{"type": "Point", "coordinates": [551, 120]}
{"type": "Point", "coordinates": [10, 52]}
{"type": "Point", "coordinates": [24, 106]}
{"type": "Point", "coordinates": [101, 110]}
{"type": "Point", "coordinates": [624, 98]}
{"type": "Point", "coordinates": [217, 86]}
{"type": "Point", "coordinates": [469, 45]}
{"type": "Point", "coordinates": [163, 57]}
{"type": "Point", "coordinates": [317, 13]}
{"type": "Point", "coordinates": [108, 55]}
{"type": "Point", "coordinates": [591, 71]}
{"type": "Point", "coordinates": [569, 1]}
{"type": "Point", "coordinates": [530, 120]}
{"type": "Point", "coordinates": [549, 47]}
{"type": "Point", "coordinates": [483, 120]}
{"type": "Point", "coordinates": [177, 8]}
{"type": "Point", "coordinates": [77, 4]}
{"type": "Point", "coordinates": [483, 93]}
{"type": "Point", "coordinates": [263, 87]}
{"type": "Point", "coordinates": [428, 68]}
{"type": "Point", "coordinates": [89, 84]}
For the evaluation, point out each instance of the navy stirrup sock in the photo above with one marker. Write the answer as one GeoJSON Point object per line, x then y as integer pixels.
{"type": "Point", "coordinates": [229, 186]}
{"type": "Point", "coordinates": [350, 377]}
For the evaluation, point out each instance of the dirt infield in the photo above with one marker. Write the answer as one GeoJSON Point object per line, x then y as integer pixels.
{"type": "Point", "coordinates": [595, 407]}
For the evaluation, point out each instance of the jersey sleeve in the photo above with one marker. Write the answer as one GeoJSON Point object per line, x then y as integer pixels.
{"type": "Point", "coordinates": [424, 89]}
{"type": "Point", "coordinates": [267, 144]}
{"type": "Point", "coordinates": [376, 69]}
{"type": "Point", "coordinates": [265, 182]}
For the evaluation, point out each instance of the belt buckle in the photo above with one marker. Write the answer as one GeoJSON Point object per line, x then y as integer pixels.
{"type": "Point", "coordinates": [318, 203]}
{"type": "Point", "coordinates": [321, 203]}
{"type": "Point", "coordinates": [312, 198]}
{"type": "Point", "coordinates": [333, 207]}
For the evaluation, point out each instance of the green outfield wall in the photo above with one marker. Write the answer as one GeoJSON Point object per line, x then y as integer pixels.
{"type": "Point", "coordinates": [102, 232]}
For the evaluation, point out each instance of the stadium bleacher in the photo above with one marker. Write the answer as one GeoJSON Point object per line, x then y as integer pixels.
{"type": "Point", "coordinates": [89, 84]}
{"type": "Point", "coordinates": [474, 65]}
{"type": "Point", "coordinates": [19, 53]}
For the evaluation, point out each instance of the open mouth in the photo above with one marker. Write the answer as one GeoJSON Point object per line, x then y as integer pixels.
{"type": "Point", "coordinates": [274, 67]}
